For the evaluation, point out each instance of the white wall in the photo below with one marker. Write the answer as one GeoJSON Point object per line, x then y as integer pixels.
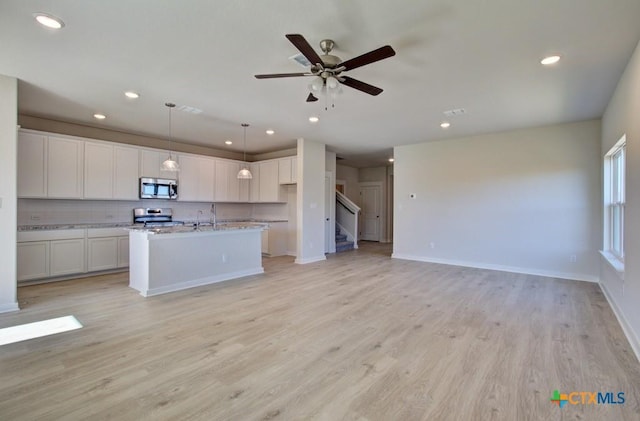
{"type": "Point", "coordinates": [523, 201]}
{"type": "Point", "coordinates": [350, 177]}
{"type": "Point", "coordinates": [622, 116]}
{"type": "Point", "coordinates": [8, 194]}
{"type": "Point", "coordinates": [310, 198]}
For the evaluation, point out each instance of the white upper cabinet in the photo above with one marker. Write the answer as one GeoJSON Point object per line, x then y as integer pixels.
{"type": "Point", "coordinates": [64, 168]}
{"type": "Point", "coordinates": [206, 179]}
{"type": "Point", "coordinates": [294, 169]}
{"type": "Point", "coordinates": [188, 181]}
{"type": "Point", "coordinates": [269, 183]}
{"type": "Point", "coordinates": [223, 173]}
{"type": "Point", "coordinates": [287, 170]}
{"type": "Point", "coordinates": [196, 182]}
{"type": "Point", "coordinates": [245, 184]}
{"type": "Point", "coordinates": [50, 166]}
{"type": "Point", "coordinates": [32, 165]}
{"type": "Point", "coordinates": [254, 183]}
{"type": "Point", "coordinates": [98, 171]}
{"type": "Point", "coordinates": [125, 183]}
{"type": "Point", "coordinates": [233, 192]}
{"type": "Point", "coordinates": [110, 172]}
{"type": "Point", "coordinates": [150, 162]}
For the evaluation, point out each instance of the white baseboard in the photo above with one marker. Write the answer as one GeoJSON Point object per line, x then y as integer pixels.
{"type": "Point", "coordinates": [6, 308]}
{"type": "Point", "coordinates": [202, 281]}
{"type": "Point", "coordinates": [631, 335]}
{"type": "Point", "coordinates": [514, 269]}
{"type": "Point", "coordinates": [310, 260]}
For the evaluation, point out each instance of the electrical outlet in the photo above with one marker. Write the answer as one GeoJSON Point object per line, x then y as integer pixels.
{"type": "Point", "coordinates": [35, 217]}
{"type": "Point", "coordinates": [224, 258]}
{"type": "Point", "coordinates": [432, 245]}
{"type": "Point", "coordinates": [109, 216]}
{"type": "Point", "coordinates": [573, 258]}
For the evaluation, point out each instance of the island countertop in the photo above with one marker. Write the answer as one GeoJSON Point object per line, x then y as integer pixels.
{"type": "Point", "coordinates": [202, 228]}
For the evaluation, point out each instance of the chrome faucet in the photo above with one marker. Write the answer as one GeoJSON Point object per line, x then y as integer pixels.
{"type": "Point", "coordinates": [213, 214]}
{"type": "Point", "coordinates": [198, 219]}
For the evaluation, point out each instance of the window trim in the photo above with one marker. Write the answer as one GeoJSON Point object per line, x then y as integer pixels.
{"type": "Point", "coordinates": [614, 253]}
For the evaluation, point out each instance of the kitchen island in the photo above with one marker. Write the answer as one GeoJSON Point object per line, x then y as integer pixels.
{"type": "Point", "coordinates": [164, 260]}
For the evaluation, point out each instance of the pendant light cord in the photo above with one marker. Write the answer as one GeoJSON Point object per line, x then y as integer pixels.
{"type": "Point", "coordinates": [170, 105]}
{"type": "Point", "coordinates": [245, 125]}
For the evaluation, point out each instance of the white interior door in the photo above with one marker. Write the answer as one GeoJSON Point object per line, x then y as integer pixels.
{"type": "Point", "coordinates": [371, 208]}
{"type": "Point", "coordinates": [327, 214]}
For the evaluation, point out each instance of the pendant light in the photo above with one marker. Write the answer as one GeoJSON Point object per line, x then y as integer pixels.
{"type": "Point", "coordinates": [244, 173]}
{"type": "Point", "coordinates": [170, 164]}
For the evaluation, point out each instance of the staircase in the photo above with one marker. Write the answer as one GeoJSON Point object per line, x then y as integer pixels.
{"type": "Point", "coordinates": [341, 242]}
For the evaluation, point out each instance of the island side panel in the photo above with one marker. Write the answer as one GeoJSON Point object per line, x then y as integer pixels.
{"type": "Point", "coordinates": [179, 261]}
{"type": "Point", "coordinates": [139, 261]}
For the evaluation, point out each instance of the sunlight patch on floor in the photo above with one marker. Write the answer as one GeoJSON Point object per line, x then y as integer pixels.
{"type": "Point", "coordinates": [9, 335]}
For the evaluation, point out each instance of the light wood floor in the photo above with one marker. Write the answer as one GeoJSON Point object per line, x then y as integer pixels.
{"type": "Point", "coordinates": [358, 337]}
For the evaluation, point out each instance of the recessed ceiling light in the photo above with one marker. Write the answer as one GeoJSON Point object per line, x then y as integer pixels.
{"type": "Point", "coordinates": [550, 60]}
{"type": "Point", "coordinates": [48, 20]}
{"type": "Point", "coordinates": [132, 95]}
{"type": "Point", "coordinates": [314, 119]}
{"type": "Point", "coordinates": [99, 116]}
{"type": "Point", "coordinates": [270, 132]}
{"type": "Point", "coordinates": [445, 124]}
{"type": "Point", "coordinates": [391, 159]}
{"type": "Point", "coordinates": [228, 142]}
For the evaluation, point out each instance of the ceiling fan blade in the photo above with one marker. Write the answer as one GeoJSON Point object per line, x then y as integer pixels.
{"type": "Point", "coordinates": [274, 75]}
{"type": "Point", "coordinates": [312, 98]}
{"type": "Point", "coordinates": [304, 47]}
{"type": "Point", "coordinates": [370, 57]}
{"type": "Point", "coordinates": [361, 86]}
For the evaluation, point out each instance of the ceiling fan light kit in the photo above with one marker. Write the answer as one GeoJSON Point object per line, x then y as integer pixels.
{"type": "Point", "coordinates": [328, 69]}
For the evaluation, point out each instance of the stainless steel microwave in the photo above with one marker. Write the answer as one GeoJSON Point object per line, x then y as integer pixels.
{"type": "Point", "coordinates": [158, 188]}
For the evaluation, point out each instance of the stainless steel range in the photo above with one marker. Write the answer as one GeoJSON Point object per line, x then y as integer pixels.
{"type": "Point", "coordinates": [155, 217]}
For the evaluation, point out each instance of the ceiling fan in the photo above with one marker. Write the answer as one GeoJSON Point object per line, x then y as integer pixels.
{"type": "Point", "coordinates": [328, 69]}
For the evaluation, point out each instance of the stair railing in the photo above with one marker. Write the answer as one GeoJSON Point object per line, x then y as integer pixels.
{"type": "Point", "coordinates": [347, 217]}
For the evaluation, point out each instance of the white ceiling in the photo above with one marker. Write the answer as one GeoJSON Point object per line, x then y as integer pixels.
{"type": "Point", "coordinates": [479, 55]}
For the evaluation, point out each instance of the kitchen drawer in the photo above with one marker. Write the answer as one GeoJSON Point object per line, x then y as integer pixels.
{"type": "Point", "coordinates": [61, 234]}
{"type": "Point", "coordinates": [107, 232]}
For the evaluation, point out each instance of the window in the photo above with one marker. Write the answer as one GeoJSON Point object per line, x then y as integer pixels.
{"type": "Point", "coordinates": [614, 189]}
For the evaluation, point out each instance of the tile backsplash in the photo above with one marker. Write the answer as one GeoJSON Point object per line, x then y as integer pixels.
{"type": "Point", "coordinates": [55, 211]}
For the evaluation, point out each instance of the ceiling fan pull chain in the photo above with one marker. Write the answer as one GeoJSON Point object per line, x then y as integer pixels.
{"type": "Point", "coordinates": [326, 100]}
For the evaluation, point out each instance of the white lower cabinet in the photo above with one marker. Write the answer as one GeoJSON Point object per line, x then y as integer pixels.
{"type": "Point", "coordinates": [275, 240]}
{"type": "Point", "coordinates": [67, 257]}
{"type": "Point", "coordinates": [60, 253]}
{"type": "Point", "coordinates": [47, 254]}
{"type": "Point", "coordinates": [102, 253]}
{"type": "Point", "coordinates": [123, 252]}
{"type": "Point", "coordinates": [33, 260]}
{"type": "Point", "coordinates": [107, 248]}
